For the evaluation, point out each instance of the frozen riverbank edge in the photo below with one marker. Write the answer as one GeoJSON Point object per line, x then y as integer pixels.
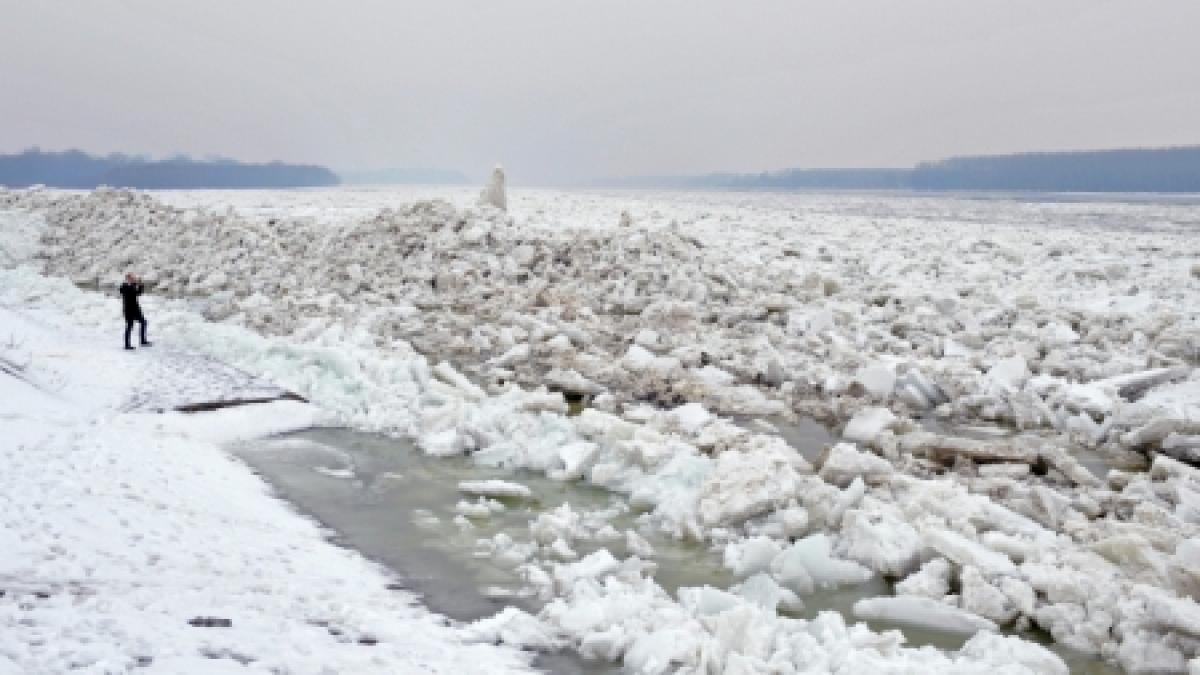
{"type": "Point", "coordinates": [701, 477]}
{"type": "Point", "coordinates": [131, 542]}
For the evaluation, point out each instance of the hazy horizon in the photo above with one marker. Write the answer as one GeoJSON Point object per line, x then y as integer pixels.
{"type": "Point", "coordinates": [566, 91]}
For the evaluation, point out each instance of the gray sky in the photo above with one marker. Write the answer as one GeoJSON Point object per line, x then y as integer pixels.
{"type": "Point", "coordinates": [566, 89]}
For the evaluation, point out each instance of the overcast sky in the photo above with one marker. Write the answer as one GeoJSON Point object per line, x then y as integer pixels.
{"type": "Point", "coordinates": [559, 90]}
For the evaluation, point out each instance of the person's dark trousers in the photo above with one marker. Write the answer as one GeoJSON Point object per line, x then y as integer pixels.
{"type": "Point", "coordinates": [129, 329]}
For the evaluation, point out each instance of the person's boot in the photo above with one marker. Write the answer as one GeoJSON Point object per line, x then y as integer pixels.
{"type": "Point", "coordinates": [129, 347]}
{"type": "Point", "coordinates": [146, 343]}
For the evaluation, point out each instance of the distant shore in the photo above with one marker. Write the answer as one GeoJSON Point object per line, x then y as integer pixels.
{"type": "Point", "coordinates": [1132, 170]}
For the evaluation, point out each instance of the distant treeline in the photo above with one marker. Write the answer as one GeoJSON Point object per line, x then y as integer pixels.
{"type": "Point", "coordinates": [76, 169]}
{"type": "Point", "coordinates": [1131, 170]}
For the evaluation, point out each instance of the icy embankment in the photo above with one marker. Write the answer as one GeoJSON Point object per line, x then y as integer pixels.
{"type": "Point", "coordinates": [130, 541]}
{"type": "Point", "coordinates": [1105, 566]}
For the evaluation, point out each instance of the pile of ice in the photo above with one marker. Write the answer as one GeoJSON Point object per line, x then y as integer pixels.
{"type": "Point", "coordinates": [998, 533]}
{"type": "Point", "coordinates": [1084, 333]}
{"type": "Point", "coordinates": [1109, 569]}
{"type": "Point", "coordinates": [612, 611]}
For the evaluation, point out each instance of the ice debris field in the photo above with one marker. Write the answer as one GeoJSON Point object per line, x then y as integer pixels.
{"type": "Point", "coordinates": [1012, 383]}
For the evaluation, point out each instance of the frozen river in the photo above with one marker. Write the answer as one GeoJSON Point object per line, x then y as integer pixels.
{"type": "Point", "coordinates": [1010, 384]}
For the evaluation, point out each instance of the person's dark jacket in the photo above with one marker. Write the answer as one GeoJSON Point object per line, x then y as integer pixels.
{"type": "Point", "coordinates": [129, 298]}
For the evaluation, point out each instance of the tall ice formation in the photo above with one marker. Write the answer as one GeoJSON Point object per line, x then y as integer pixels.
{"type": "Point", "coordinates": [493, 194]}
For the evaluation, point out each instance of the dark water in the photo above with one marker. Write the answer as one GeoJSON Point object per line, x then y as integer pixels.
{"type": "Point", "coordinates": [383, 506]}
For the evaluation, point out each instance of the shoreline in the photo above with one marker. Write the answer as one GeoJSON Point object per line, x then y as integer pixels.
{"type": "Point", "coordinates": [133, 540]}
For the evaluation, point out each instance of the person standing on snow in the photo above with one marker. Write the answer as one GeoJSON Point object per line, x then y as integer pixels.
{"type": "Point", "coordinates": [130, 290]}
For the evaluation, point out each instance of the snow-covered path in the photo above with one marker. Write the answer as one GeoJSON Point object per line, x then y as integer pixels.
{"type": "Point", "coordinates": [129, 540]}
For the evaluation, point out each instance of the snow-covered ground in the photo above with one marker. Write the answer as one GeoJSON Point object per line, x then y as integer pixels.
{"type": "Point", "coordinates": [1066, 327]}
{"type": "Point", "coordinates": [128, 537]}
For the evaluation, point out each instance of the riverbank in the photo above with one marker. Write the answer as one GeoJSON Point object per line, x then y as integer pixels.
{"type": "Point", "coordinates": [131, 540]}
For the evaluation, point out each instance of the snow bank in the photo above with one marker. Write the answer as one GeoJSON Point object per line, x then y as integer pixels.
{"type": "Point", "coordinates": [132, 541]}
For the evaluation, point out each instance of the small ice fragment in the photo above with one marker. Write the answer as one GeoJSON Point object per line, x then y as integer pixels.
{"type": "Point", "coordinates": [751, 556]}
{"type": "Point", "coordinates": [334, 473]}
{"type": "Point", "coordinates": [868, 423]}
{"type": "Point", "coordinates": [845, 463]}
{"type": "Point", "coordinates": [914, 610]}
{"type": "Point", "coordinates": [495, 488]}
{"type": "Point", "coordinates": [762, 590]}
{"type": "Point", "coordinates": [809, 563]}
{"type": "Point", "coordinates": [1010, 373]}
{"type": "Point", "coordinates": [879, 379]}
{"type": "Point", "coordinates": [637, 545]}
{"type": "Point", "coordinates": [1008, 649]}
{"type": "Point", "coordinates": [691, 417]}
{"type": "Point", "coordinates": [473, 509]}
